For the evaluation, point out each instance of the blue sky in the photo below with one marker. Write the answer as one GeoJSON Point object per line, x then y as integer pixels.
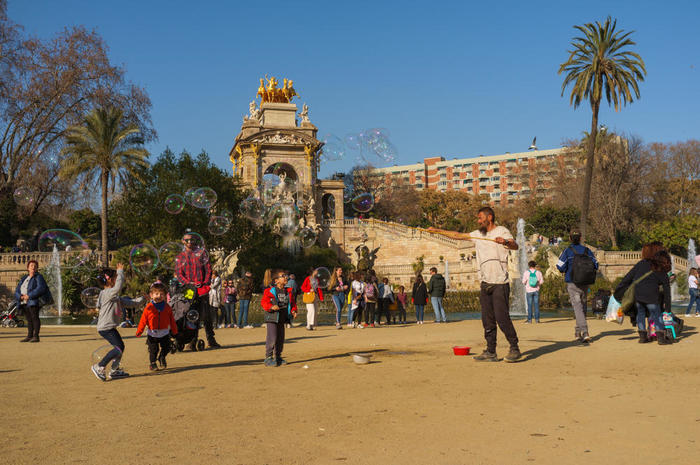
{"type": "Point", "coordinates": [450, 79]}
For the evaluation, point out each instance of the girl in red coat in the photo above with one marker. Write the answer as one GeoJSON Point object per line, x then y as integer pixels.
{"type": "Point", "coordinates": [279, 305]}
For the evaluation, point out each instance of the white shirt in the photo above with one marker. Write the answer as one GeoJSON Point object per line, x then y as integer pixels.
{"type": "Point", "coordinates": [24, 288]}
{"type": "Point", "coordinates": [491, 257]}
{"type": "Point", "coordinates": [692, 282]}
{"type": "Point", "coordinates": [358, 288]}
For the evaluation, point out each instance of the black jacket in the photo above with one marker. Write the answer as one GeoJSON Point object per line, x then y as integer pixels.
{"type": "Point", "coordinates": [419, 294]}
{"type": "Point", "coordinates": [654, 289]}
{"type": "Point", "coordinates": [436, 285]}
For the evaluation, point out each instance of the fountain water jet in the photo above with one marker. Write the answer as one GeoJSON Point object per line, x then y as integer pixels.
{"type": "Point", "coordinates": [55, 283]}
{"type": "Point", "coordinates": [518, 304]}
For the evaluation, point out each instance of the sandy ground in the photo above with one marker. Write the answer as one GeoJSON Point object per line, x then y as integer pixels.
{"type": "Point", "coordinates": [615, 401]}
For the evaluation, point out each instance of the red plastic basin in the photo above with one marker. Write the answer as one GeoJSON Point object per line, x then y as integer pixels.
{"type": "Point", "coordinates": [461, 350]}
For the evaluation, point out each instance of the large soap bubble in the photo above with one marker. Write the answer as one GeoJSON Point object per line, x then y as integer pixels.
{"type": "Point", "coordinates": [168, 253]}
{"type": "Point", "coordinates": [174, 204]}
{"type": "Point", "coordinates": [204, 197]}
{"type": "Point", "coordinates": [189, 195]}
{"type": "Point", "coordinates": [323, 277]}
{"type": "Point", "coordinates": [307, 237]}
{"type": "Point", "coordinates": [89, 296]}
{"type": "Point", "coordinates": [333, 148]}
{"type": "Point", "coordinates": [143, 259]}
{"type": "Point", "coordinates": [24, 196]}
{"type": "Point", "coordinates": [62, 239]}
{"type": "Point", "coordinates": [363, 203]}
{"type": "Point", "coordinates": [218, 225]}
{"type": "Point", "coordinates": [253, 209]}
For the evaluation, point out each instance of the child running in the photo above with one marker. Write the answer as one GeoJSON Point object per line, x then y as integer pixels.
{"type": "Point", "coordinates": [279, 305]}
{"type": "Point", "coordinates": [158, 317]}
{"type": "Point", "coordinates": [109, 317]}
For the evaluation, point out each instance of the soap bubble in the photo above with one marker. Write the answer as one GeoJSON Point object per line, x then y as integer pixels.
{"type": "Point", "coordinates": [323, 276]}
{"type": "Point", "coordinates": [143, 259]}
{"type": "Point", "coordinates": [174, 204]}
{"type": "Point", "coordinates": [192, 315]}
{"type": "Point", "coordinates": [89, 296]}
{"type": "Point", "coordinates": [333, 148]}
{"type": "Point", "coordinates": [218, 225]}
{"type": "Point", "coordinates": [24, 196]}
{"type": "Point", "coordinates": [168, 252]}
{"type": "Point", "coordinates": [353, 141]}
{"type": "Point", "coordinates": [189, 195]}
{"type": "Point", "coordinates": [253, 209]}
{"type": "Point", "coordinates": [204, 197]}
{"type": "Point", "coordinates": [65, 241]}
{"type": "Point", "coordinates": [83, 273]}
{"type": "Point", "coordinates": [218, 210]}
{"type": "Point", "coordinates": [100, 353]}
{"type": "Point", "coordinates": [307, 237]}
{"type": "Point", "coordinates": [363, 203]}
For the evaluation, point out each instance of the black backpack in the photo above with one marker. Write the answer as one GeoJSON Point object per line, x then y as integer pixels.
{"type": "Point", "coordinates": [583, 270]}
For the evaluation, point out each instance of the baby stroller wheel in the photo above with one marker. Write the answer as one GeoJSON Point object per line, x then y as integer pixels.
{"type": "Point", "coordinates": [13, 324]}
{"type": "Point", "coordinates": [200, 344]}
{"type": "Point", "coordinates": [173, 347]}
{"type": "Point", "coordinates": [180, 347]}
{"type": "Point", "coordinates": [20, 323]}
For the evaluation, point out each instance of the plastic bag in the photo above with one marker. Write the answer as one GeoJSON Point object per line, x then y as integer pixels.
{"type": "Point", "coordinates": [614, 312]}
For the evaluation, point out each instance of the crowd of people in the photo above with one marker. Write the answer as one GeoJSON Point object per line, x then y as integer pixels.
{"type": "Point", "coordinates": [371, 302]}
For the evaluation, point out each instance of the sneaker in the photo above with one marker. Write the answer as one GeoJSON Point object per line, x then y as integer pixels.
{"type": "Point", "coordinates": [486, 356]}
{"type": "Point", "coordinates": [248, 326]}
{"type": "Point", "coordinates": [99, 372]}
{"type": "Point", "coordinates": [234, 326]}
{"type": "Point", "coordinates": [527, 322]}
{"type": "Point", "coordinates": [513, 356]}
{"type": "Point", "coordinates": [26, 339]}
{"type": "Point", "coordinates": [585, 338]}
{"type": "Point", "coordinates": [372, 325]}
{"type": "Point", "coordinates": [153, 366]}
{"type": "Point", "coordinates": [338, 326]}
{"type": "Point", "coordinates": [351, 325]}
{"type": "Point", "coordinates": [214, 345]}
{"type": "Point", "coordinates": [280, 361]}
{"type": "Point", "coordinates": [361, 326]}
{"type": "Point", "coordinates": [163, 363]}
{"type": "Point", "coordinates": [118, 373]}
{"type": "Point", "coordinates": [270, 362]}
{"type": "Point", "coordinates": [697, 315]}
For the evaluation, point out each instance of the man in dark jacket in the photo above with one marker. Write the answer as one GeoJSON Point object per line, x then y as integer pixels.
{"type": "Point", "coordinates": [245, 292]}
{"type": "Point", "coordinates": [436, 289]}
{"type": "Point", "coordinates": [577, 293]}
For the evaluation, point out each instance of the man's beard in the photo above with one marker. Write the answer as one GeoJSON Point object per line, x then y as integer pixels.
{"type": "Point", "coordinates": [483, 230]}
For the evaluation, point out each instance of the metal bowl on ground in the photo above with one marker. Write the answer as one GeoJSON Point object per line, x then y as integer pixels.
{"type": "Point", "coordinates": [361, 359]}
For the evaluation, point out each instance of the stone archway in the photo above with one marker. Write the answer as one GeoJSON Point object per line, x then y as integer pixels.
{"type": "Point", "coordinates": [328, 207]}
{"type": "Point", "coordinates": [286, 168]}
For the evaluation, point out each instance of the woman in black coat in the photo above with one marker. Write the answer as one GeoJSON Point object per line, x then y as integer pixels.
{"type": "Point", "coordinates": [29, 289]}
{"type": "Point", "coordinates": [419, 297]}
{"type": "Point", "coordinates": [652, 294]}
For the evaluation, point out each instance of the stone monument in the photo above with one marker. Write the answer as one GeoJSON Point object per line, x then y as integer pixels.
{"type": "Point", "coordinates": [272, 140]}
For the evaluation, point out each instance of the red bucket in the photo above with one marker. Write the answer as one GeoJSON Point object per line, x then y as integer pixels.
{"type": "Point", "coordinates": [461, 350]}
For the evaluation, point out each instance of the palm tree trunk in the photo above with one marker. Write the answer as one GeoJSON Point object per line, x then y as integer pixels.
{"type": "Point", "coordinates": [590, 161]}
{"type": "Point", "coordinates": [104, 178]}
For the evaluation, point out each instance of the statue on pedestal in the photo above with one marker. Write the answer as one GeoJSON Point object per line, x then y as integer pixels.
{"type": "Point", "coordinates": [305, 114]}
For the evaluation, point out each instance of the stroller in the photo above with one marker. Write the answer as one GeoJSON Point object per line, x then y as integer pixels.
{"type": "Point", "coordinates": [600, 303]}
{"type": "Point", "coordinates": [184, 302]}
{"type": "Point", "coordinates": [10, 317]}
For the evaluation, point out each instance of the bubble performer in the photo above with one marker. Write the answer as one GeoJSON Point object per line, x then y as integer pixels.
{"type": "Point", "coordinates": [190, 268]}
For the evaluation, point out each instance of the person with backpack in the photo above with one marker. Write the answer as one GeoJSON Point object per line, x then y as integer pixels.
{"type": "Point", "coordinates": [580, 267]}
{"type": "Point", "coordinates": [532, 279]}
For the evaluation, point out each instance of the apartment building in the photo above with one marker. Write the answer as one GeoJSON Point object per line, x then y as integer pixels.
{"type": "Point", "coordinates": [504, 178]}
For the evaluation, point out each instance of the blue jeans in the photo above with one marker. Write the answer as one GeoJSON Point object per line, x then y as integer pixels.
{"type": "Point", "coordinates": [114, 355]}
{"type": "Point", "coordinates": [228, 313]}
{"type": "Point", "coordinates": [654, 315]}
{"type": "Point", "coordinates": [533, 303]}
{"type": "Point", "coordinates": [439, 310]}
{"type": "Point", "coordinates": [243, 313]}
{"type": "Point", "coordinates": [419, 312]}
{"type": "Point", "coordinates": [339, 301]}
{"type": "Point", "coordinates": [694, 299]}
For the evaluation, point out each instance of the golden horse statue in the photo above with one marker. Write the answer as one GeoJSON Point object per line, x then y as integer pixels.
{"type": "Point", "coordinates": [271, 93]}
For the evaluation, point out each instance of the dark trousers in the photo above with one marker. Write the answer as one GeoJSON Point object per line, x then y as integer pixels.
{"type": "Point", "coordinates": [207, 317]}
{"type": "Point", "coordinates": [402, 313]}
{"type": "Point", "coordinates": [383, 310]}
{"type": "Point", "coordinates": [33, 322]}
{"type": "Point", "coordinates": [274, 343]}
{"type": "Point", "coordinates": [357, 316]}
{"type": "Point", "coordinates": [155, 343]}
{"type": "Point", "coordinates": [494, 311]}
{"type": "Point", "coordinates": [370, 312]}
{"type": "Point", "coordinates": [115, 355]}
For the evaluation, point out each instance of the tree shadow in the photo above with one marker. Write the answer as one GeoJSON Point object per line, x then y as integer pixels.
{"type": "Point", "coordinates": [559, 345]}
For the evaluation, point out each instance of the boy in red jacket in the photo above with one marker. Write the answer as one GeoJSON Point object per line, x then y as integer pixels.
{"type": "Point", "coordinates": [158, 317]}
{"type": "Point", "coordinates": [279, 305]}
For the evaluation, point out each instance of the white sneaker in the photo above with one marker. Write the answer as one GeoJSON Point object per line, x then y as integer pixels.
{"type": "Point", "coordinates": [697, 315]}
{"type": "Point", "coordinates": [248, 326]}
{"type": "Point", "coordinates": [99, 372]}
{"type": "Point", "coordinates": [351, 326]}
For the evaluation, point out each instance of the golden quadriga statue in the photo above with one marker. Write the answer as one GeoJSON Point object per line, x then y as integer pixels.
{"type": "Point", "coordinates": [271, 93]}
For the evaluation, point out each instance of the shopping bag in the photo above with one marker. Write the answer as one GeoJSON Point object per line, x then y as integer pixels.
{"type": "Point", "coordinates": [614, 311]}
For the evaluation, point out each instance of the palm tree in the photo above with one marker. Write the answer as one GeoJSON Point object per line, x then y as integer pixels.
{"type": "Point", "coordinates": [599, 63]}
{"type": "Point", "coordinates": [104, 147]}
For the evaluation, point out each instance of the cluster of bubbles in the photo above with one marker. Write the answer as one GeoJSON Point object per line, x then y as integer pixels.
{"type": "Point", "coordinates": [24, 196]}
{"type": "Point", "coordinates": [203, 198]}
{"type": "Point", "coordinates": [368, 146]}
